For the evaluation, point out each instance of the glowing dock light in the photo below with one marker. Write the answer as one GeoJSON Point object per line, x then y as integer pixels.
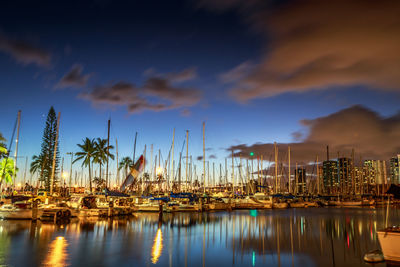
{"type": "Point", "coordinates": [159, 171]}
{"type": "Point", "coordinates": [157, 247]}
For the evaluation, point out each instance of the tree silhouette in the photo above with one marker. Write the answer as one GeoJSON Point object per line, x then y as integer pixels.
{"type": "Point", "coordinates": [47, 150]}
{"type": "Point", "coordinates": [86, 154]}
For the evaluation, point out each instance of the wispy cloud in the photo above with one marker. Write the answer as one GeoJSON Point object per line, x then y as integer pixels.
{"type": "Point", "coordinates": [74, 78]}
{"type": "Point", "coordinates": [159, 92]}
{"type": "Point", "coordinates": [316, 45]}
{"type": "Point", "coordinates": [24, 52]}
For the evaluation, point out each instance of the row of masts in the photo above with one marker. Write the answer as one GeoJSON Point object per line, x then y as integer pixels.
{"type": "Point", "coordinates": [163, 173]}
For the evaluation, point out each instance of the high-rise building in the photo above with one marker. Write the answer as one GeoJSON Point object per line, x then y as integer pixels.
{"type": "Point", "coordinates": [394, 170]}
{"type": "Point", "coordinates": [330, 176]}
{"type": "Point", "coordinates": [358, 178]}
{"type": "Point", "coordinates": [345, 168]}
{"type": "Point", "coordinates": [375, 172]}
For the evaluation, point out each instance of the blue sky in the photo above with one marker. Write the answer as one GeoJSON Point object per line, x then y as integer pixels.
{"type": "Point", "coordinates": [120, 42]}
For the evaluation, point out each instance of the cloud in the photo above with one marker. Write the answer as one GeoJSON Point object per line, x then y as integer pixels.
{"type": "Point", "coordinates": [316, 45]}
{"type": "Point", "coordinates": [186, 112]}
{"type": "Point", "coordinates": [371, 136]}
{"type": "Point", "coordinates": [24, 52]}
{"type": "Point", "coordinates": [212, 156]}
{"type": "Point", "coordinates": [158, 93]}
{"type": "Point", "coordinates": [74, 78]}
{"type": "Point", "coordinates": [174, 77]}
{"type": "Point", "coordinates": [183, 76]}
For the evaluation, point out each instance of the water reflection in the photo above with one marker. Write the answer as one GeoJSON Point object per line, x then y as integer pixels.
{"type": "Point", "coordinates": [157, 247]}
{"type": "Point", "coordinates": [293, 237]}
{"type": "Point", "coordinates": [57, 255]}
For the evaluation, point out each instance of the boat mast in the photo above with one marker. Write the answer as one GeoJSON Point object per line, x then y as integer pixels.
{"type": "Point", "coordinates": [258, 171]}
{"type": "Point", "coordinates": [290, 186]}
{"type": "Point", "coordinates": [55, 155]}
{"type": "Point", "coordinates": [276, 168]}
{"type": "Point", "coordinates": [220, 174]}
{"type": "Point", "coordinates": [213, 182]}
{"type": "Point", "coordinates": [116, 150]}
{"type": "Point", "coordinates": [208, 176]}
{"type": "Point", "coordinates": [134, 149]}
{"type": "Point", "coordinates": [296, 181]}
{"type": "Point", "coordinates": [16, 147]}
{"type": "Point", "coordinates": [151, 177]}
{"type": "Point", "coordinates": [353, 182]}
{"type": "Point", "coordinates": [191, 173]}
{"type": "Point", "coordinates": [172, 158]}
{"type": "Point", "coordinates": [144, 168]}
{"type": "Point", "coordinates": [108, 151]}
{"type": "Point", "coordinates": [233, 175]}
{"type": "Point", "coordinates": [179, 176]}
{"type": "Point", "coordinates": [204, 158]}
{"type": "Point", "coordinates": [226, 173]}
{"type": "Point", "coordinates": [187, 158]}
{"type": "Point", "coordinates": [318, 181]}
{"type": "Point", "coordinates": [262, 173]}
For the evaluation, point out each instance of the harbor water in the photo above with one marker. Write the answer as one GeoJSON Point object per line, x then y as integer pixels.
{"type": "Point", "coordinates": [288, 237]}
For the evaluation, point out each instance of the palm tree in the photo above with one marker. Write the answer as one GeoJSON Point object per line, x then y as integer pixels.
{"type": "Point", "coordinates": [86, 154]}
{"type": "Point", "coordinates": [3, 150]}
{"type": "Point", "coordinates": [101, 152]}
{"type": "Point", "coordinates": [125, 164]}
{"type": "Point", "coordinates": [7, 170]}
{"type": "Point", "coordinates": [36, 164]}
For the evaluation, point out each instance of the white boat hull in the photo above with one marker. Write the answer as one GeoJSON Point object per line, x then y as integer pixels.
{"type": "Point", "coordinates": [297, 205]}
{"type": "Point", "coordinates": [25, 214]}
{"type": "Point", "coordinates": [351, 203]}
{"type": "Point", "coordinates": [280, 205]}
{"type": "Point", "coordinates": [390, 244]}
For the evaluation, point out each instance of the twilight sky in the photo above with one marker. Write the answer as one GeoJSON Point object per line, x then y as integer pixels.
{"type": "Point", "coordinates": [305, 73]}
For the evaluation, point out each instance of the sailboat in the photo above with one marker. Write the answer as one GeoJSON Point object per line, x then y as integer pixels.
{"type": "Point", "coordinates": [389, 238]}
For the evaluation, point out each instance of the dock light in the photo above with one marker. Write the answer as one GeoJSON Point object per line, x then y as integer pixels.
{"type": "Point", "coordinates": [251, 154]}
{"type": "Point", "coordinates": [159, 171]}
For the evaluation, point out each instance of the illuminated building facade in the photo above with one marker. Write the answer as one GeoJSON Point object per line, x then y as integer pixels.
{"type": "Point", "coordinates": [394, 170]}
{"type": "Point", "coordinates": [375, 172]}
{"type": "Point", "coordinates": [330, 176]}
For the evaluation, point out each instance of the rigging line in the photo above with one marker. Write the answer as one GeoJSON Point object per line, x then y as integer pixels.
{"type": "Point", "coordinates": [12, 138]}
{"type": "Point", "coordinates": [180, 158]}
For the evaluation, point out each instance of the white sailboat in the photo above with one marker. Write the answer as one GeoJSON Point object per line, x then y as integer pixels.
{"type": "Point", "coordinates": [389, 239]}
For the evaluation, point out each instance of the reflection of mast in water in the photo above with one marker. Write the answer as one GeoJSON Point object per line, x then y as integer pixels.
{"type": "Point", "coordinates": [278, 245]}
{"type": "Point", "coordinates": [157, 247]}
{"type": "Point", "coordinates": [186, 247]}
{"type": "Point", "coordinates": [204, 248]}
{"type": "Point", "coordinates": [57, 255]}
{"type": "Point", "coordinates": [291, 239]}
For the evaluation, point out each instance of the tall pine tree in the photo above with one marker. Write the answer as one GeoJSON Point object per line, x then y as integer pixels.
{"type": "Point", "coordinates": [47, 152]}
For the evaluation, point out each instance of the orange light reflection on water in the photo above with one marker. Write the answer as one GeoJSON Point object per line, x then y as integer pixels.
{"type": "Point", "coordinates": [157, 247]}
{"type": "Point", "coordinates": [57, 255]}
